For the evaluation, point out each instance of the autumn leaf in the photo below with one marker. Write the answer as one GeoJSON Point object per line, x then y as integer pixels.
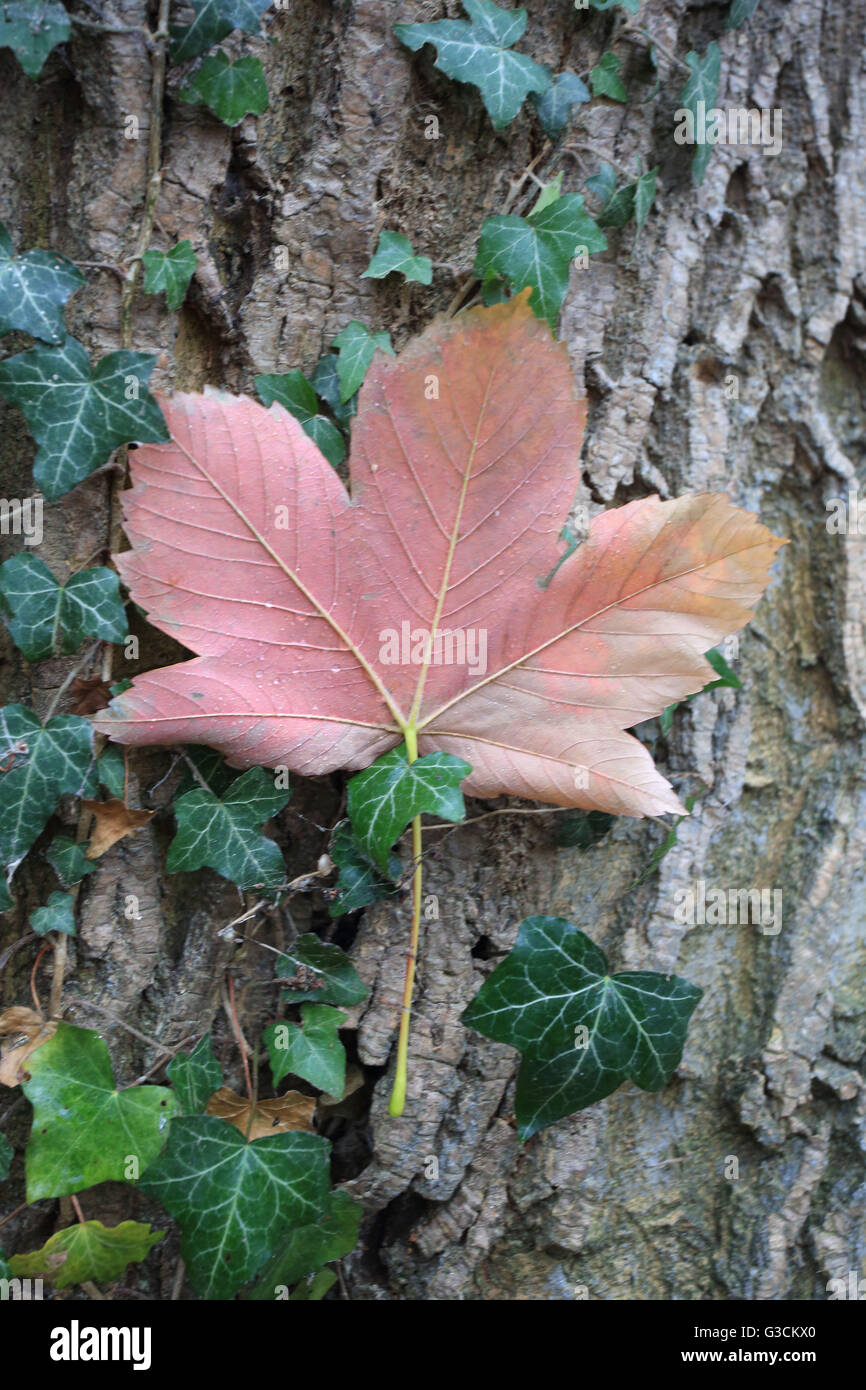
{"type": "Point", "coordinates": [278, 1116]}
{"type": "Point", "coordinates": [114, 821]}
{"type": "Point", "coordinates": [326, 627]}
{"type": "Point", "coordinates": [25, 1030]}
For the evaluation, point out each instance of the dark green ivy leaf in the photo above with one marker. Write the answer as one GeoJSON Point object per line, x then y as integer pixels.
{"type": "Point", "coordinates": [537, 251]}
{"type": "Point", "coordinates": [34, 287]}
{"type": "Point", "coordinates": [357, 345]}
{"type": "Point", "coordinates": [49, 618]}
{"type": "Point", "coordinates": [554, 105]}
{"type": "Point", "coordinates": [580, 1031]}
{"type": "Point", "coordinates": [292, 391]}
{"type": "Point", "coordinates": [359, 882]}
{"type": "Point", "coordinates": [316, 970]}
{"type": "Point", "coordinates": [702, 86]}
{"type": "Point", "coordinates": [78, 415]}
{"type": "Point", "coordinates": [580, 829]}
{"type": "Point", "coordinates": [307, 1248]}
{"type": "Point", "coordinates": [394, 252]}
{"type": "Point", "coordinates": [326, 383]}
{"type": "Point", "coordinates": [230, 90]}
{"type": "Point", "coordinates": [233, 1200]}
{"type": "Point", "coordinates": [170, 271]}
{"type": "Point", "coordinates": [68, 860]}
{"type": "Point", "coordinates": [312, 1050]}
{"type": "Point", "coordinates": [603, 184]}
{"type": "Point", "coordinates": [42, 764]}
{"type": "Point", "coordinates": [195, 1076]}
{"type": "Point", "coordinates": [740, 11]}
{"type": "Point", "coordinates": [224, 833]}
{"type": "Point", "coordinates": [386, 796]}
{"type": "Point", "coordinates": [7, 1153]}
{"type": "Point", "coordinates": [31, 28]}
{"type": "Point", "coordinates": [214, 19]}
{"type": "Point", "coordinates": [479, 51]}
{"type": "Point", "coordinates": [57, 915]}
{"type": "Point", "coordinates": [605, 79]}
{"type": "Point", "coordinates": [85, 1130]}
{"type": "Point", "coordinates": [631, 5]}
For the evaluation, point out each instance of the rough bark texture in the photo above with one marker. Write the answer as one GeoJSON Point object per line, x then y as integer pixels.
{"type": "Point", "coordinates": [758, 275]}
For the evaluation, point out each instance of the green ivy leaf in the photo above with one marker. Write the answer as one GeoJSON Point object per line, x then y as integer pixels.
{"type": "Point", "coordinates": [385, 797]}
{"type": "Point", "coordinates": [230, 90]}
{"type": "Point", "coordinates": [580, 1031]}
{"type": "Point", "coordinates": [702, 86]}
{"type": "Point", "coordinates": [292, 391]}
{"type": "Point", "coordinates": [195, 1076]}
{"type": "Point", "coordinates": [111, 770]}
{"type": "Point", "coordinates": [34, 287]}
{"type": "Point", "coordinates": [312, 1051]}
{"type": "Point", "coordinates": [57, 915]}
{"type": "Point", "coordinates": [232, 1199]}
{"type": "Point", "coordinates": [633, 200]}
{"type": "Point", "coordinates": [357, 345]}
{"type": "Point", "coordinates": [32, 28]}
{"type": "Point", "coordinates": [86, 1131]}
{"type": "Point", "coordinates": [170, 271]}
{"type": "Point", "coordinates": [394, 252]}
{"type": "Point", "coordinates": [537, 251]}
{"type": "Point", "coordinates": [723, 671]}
{"type": "Point", "coordinates": [605, 79]}
{"type": "Point", "coordinates": [326, 383]}
{"type": "Point", "coordinates": [631, 5]}
{"type": "Point", "coordinates": [479, 51]}
{"type": "Point", "coordinates": [68, 860]}
{"type": "Point", "coordinates": [88, 1250]}
{"type": "Point", "coordinates": [580, 829]}
{"type": "Point", "coordinates": [603, 184]}
{"type": "Point", "coordinates": [224, 833]}
{"type": "Point", "coordinates": [321, 972]}
{"type": "Point", "coordinates": [50, 618]}
{"type": "Point", "coordinates": [5, 896]}
{"type": "Point", "coordinates": [740, 11]}
{"type": "Point", "coordinates": [644, 196]}
{"type": "Point", "coordinates": [214, 19]}
{"type": "Point", "coordinates": [554, 105]}
{"type": "Point", "coordinates": [359, 882]}
{"type": "Point", "coordinates": [78, 415]}
{"type": "Point", "coordinates": [667, 844]}
{"type": "Point", "coordinates": [42, 765]}
{"type": "Point", "coordinates": [7, 1153]}
{"type": "Point", "coordinates": [307, 1248]}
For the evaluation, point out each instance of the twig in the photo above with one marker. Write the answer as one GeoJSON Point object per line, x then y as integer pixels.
{"type": "Point", "coordinates": [239, 1037]}
{"type": "Point", "coordinates": [77, 1208]}
{"type": "Point", "coordinates": [33, 993]}
{"type": "Point", "coordinates": [83, 661]}
{"type": "Point", "coordinates": [100, 1009]}
{"type": "Point", "coordinates": [177, 1283]}
{"type": "Point", "coordinates": [642, 36]}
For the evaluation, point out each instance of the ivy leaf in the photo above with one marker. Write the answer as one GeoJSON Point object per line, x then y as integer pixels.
{"type": "Point", "coordinates": [357, 345]}
{"type": "Point", "coordinates": [536, 252]}
{"type": "Point", "coordinates": [701, 87]}
{"type": "Point", "coordinates": [554, 105]}
{"type": "Point", "coordinates": [49, 618]}
{"type": "Point", "coordinates": [307, 1248]}
{"type": "Point", "coordinates": [314, 969]}
{"type": "Point", "coordinates": [359, 882]}
{"type": "Point", "coordinates": [605, 79]}
{"type": "Point", "coordinates": [292, 391]}
{"type": "Point", "coordinates": [78, 415]}
{"type": "Point", "coordinates": [603, 184]}
{"type": "Point", "coordinates": [86, 1131]}
{"type": "Point", "coordinates": [386, 796]}
{"type": "Point", "coordinates": [42, 764]}
{"type": "Point", "coordinates": [34, 287]}
{"type": "Point", "coordinates": [224, 833]}
{"type": "Point", "coordinates": [631, 5]}
{"type": "Point", "coordinates": [326, 383]}
{"type": "Point", "coordinates": [68, 860]}
{"type": "Point", "coordinates": [7, 1153]}
{"type": "Point", "coordinates": [394, 252]}
{"type": "Point", "coordinates": [195, 1076]}
{"type": "Point", "coordinates": [214, 19]}
{"type": "Point", "coordinates": [232, 1199]}
{"type": "Point", "coordinates": [644, 196]}
{"type": "Point", "coordinates": [5, 896]}
{"type": "Point", "coordinates": [170, 271]}
{"type": "Point", "coordinates": [57, 915]}
{"type": "Point", "coordinates": [580, 829]}
{"type": "Point", "coordinates": [88, 1250]}
{"type": "Point", "coordinates": [580, 1031]}
{"type": "Point", "coordinates": [212, 768]}
{"type": "Point", "coordinates": [633, 200]}
{"type": "Point", "coordinates": [479, 51]}
{"type": "Point", "coordinates": [111, 771]}
{"type": "Point", "coordinates": [312, 1051]}
{"type": "Point", "coordinates": [740, 11]}
{"type": "Point", "coordinates": [724, 672]}
{"type": "Point", "coordinates": [32, 28]}
{"type": "Point", "coordinates": [230, 90]}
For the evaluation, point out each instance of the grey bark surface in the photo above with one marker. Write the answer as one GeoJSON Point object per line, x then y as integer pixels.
{"type": "Point", "coordinates": [758, 275]}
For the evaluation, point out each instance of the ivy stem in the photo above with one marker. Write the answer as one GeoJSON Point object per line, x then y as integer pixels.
{"type": "Point", "coordinates": [398, 1094]}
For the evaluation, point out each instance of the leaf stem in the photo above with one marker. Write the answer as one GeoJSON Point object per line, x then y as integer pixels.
{"type": "Point", "coordinates": [398, 1094]}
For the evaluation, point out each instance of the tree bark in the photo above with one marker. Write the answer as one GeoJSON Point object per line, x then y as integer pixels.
{"type": "Point", "coordinates": [744, 1177]}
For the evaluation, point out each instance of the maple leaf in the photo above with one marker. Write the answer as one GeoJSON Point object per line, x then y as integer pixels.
{"type": "Point", "coordinates": [248, 549]}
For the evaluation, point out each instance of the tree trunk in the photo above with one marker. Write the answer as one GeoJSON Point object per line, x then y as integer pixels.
{"type": "Point", "coordinates": [724, 351]}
